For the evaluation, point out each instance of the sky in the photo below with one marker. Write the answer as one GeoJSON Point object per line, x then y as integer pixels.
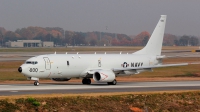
{"type": "Point", "coordinates": [115, 16]}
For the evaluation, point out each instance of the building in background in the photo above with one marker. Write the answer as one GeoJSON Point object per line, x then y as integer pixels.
{"type": "Point", "coordinates": [47, 44]}
{"type": "Point", "coordinates": [29, 43]}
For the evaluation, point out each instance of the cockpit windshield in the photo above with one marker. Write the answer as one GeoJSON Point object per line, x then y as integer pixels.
{"type": "Point", "coordinates": [31, 62]}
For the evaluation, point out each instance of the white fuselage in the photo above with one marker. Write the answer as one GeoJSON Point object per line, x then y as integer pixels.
{"type": "Point", "coordinates": [77, 65]}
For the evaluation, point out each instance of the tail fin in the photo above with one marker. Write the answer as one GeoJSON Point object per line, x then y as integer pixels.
{"type": "Point", "coordinates": [154, 44]}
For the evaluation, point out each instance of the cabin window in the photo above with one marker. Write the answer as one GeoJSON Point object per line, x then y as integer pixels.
{"type": "Point", "coordinates": [28, 62]}
{"type": "Point", "coordinates": [67, 63]}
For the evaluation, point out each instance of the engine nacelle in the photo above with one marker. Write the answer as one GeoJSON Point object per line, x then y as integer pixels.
{"type": "Point", "coordinates": [60, 79]}
{"type": "Point", "coordinates": [104, 76]}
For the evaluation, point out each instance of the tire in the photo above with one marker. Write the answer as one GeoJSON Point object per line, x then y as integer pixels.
{"type": "Point", "coordinates": [114, 82]}
{"type": "Point", "coordinates": [109, 83]}
{"type": "Point", "coordinates": [86, 81]}
{"type": "Point", "coordinates": [36, 83]}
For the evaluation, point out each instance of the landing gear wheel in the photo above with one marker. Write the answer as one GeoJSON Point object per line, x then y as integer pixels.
{"type": "Point", "coordinates": [114, 82]}
{"type": "Point", "coordinates": [36, 83]}
{"type": "Point", "coordinates": [86, 81]}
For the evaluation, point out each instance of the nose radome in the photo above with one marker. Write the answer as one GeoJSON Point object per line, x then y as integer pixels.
{"type": "Point", "coordinates": [20, 69]}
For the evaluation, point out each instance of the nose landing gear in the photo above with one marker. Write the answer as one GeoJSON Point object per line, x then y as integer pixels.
{"type": "Point", "coordinates": [36, 83]}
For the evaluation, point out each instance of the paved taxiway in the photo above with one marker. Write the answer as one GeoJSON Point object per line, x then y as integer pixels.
{"type": "Point", "coordinates": [77, 88]}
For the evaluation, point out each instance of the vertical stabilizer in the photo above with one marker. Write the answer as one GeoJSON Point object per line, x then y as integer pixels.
{"type": "Point", "coordinates": [154, 44]}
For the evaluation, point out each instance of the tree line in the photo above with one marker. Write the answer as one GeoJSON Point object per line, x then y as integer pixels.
{"type": "Point", "coordinates": [95, 38]}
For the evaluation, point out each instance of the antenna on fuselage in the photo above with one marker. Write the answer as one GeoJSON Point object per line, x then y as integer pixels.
{"type": "Point", "coordinates": [95, 53]}
{"type": "Point", "coordinates": [66, 52]}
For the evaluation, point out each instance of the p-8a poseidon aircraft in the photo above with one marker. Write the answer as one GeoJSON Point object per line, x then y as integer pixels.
{"type": "Point", "coordinates": [100, 67]}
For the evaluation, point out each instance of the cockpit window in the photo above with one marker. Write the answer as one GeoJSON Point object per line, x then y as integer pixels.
{"type": "Point", "coordinates": [28, 62]}
{"type": "Point", "coordinates": [31, 62]}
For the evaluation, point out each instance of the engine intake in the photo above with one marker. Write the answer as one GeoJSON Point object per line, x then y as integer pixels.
{"type": "Point", "coordinates": [104, 76]}
{"type": "Point", "coordinates": [97, 76]}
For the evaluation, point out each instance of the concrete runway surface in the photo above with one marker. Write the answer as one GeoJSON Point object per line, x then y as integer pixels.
{"type": "Point", "coordinates": [78, 88]}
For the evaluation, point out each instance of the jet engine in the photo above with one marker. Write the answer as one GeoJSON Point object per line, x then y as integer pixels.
{"type": "Point", "coordinates": [104, 76]}
{"type": "Point", "coordinates": [60, 79]}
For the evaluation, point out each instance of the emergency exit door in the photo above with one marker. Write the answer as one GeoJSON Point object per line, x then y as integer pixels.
{"type": "Point", "coordinates": [47, 63]}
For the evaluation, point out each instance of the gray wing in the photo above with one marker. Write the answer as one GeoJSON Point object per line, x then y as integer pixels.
{"type": "Point", "coordinates": [149, 67]}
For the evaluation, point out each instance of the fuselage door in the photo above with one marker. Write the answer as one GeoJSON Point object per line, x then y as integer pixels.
{"type": "Point", "coordinates": [47, 63]}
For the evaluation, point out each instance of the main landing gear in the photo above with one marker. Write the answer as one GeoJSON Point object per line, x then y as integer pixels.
{"type": "Point", "coordinates": [114, 82]}
{"type": "Point", "coordinates": [86, 81]}
{"type": "Point", "coordinates": [36, 83]}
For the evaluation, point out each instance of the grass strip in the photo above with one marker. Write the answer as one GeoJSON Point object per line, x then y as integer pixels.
{"type": "Point", "coordinates": [175, 101]}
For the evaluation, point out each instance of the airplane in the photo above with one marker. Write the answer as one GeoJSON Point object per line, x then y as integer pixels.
{"type": "Point", "coordinates": [101, 67]}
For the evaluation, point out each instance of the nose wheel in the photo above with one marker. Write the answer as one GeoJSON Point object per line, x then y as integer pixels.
{"type": "Point", "coordinates": [36, 83]}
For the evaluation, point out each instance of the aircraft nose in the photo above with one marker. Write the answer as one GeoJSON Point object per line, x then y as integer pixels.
{"type": "Point", "coordinates": [20, 69]}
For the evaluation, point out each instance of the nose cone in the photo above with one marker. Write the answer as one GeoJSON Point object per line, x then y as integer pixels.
{"type": "Point", "coordinates": [20, 69]}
